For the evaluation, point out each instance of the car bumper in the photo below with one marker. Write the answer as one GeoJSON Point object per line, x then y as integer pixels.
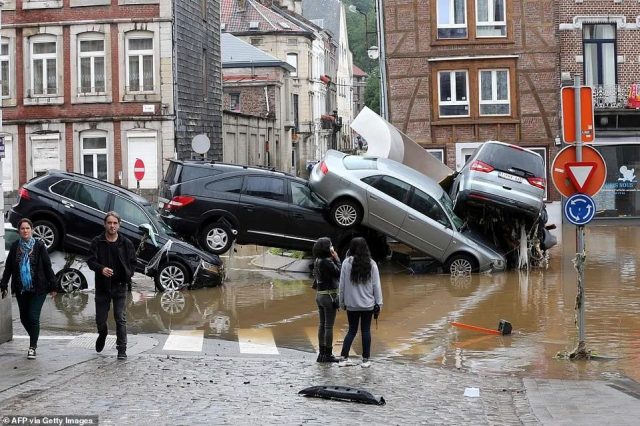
{"type": "Point", "coordinates": [481, 198]}
{"type": "Point", "coordinates": [211, 276]}
{"type": "Point", "coordinates": [180, 225]}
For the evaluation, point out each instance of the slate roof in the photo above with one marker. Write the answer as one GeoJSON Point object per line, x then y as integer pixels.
{"type": "Point", "coordinates": [237, 53]}
{"type": "Point", "coordinates": [326, 10]}
{"type": "Point", "coordinates": [236, 21]}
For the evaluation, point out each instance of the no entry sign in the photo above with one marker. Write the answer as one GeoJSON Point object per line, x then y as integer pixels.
{"type": "Point", "coordinates": [138, 169]}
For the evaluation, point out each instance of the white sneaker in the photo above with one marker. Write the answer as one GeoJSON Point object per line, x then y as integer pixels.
{"type": "Point", "coordinates": [31, 353]}
{"type": "Point", "coordinates": [365, 363]}
{"type": "Point", "coordinates": [346, 362]}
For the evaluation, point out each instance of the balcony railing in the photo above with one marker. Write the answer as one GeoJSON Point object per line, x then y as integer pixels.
{"type": "Point", "coordinates": [614, 96]}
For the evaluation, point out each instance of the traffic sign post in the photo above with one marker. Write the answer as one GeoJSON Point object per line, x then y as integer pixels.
{"type": "Point", "coordinates": [580, 209]}
{"type": "Point", "coordinates": [138, 172]}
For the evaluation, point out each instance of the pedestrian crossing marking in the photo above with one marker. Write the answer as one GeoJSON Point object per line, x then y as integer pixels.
{"type": "Point", "coordinates": [184, 340]}
{"type": "Point", "coordinates": [257, 341]}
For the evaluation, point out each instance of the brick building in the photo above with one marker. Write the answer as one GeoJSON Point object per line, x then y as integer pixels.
{"type": "Point", "coordinates": [461, 72]}
{"type": "Point", "coordinates": [91, 85]}
{"type": "Point", "coordinates": [599, 42]}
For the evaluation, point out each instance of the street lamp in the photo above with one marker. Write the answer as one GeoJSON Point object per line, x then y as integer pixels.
{"type": "Point", "coordinates": [372, 51]}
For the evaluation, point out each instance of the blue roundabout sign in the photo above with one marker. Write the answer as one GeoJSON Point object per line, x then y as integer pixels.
{"type": "Point", "coordinates": [579, 209]}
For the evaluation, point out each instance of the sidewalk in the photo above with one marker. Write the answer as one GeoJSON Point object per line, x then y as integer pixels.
{"type": "Point", "coordinates": [220, 385]}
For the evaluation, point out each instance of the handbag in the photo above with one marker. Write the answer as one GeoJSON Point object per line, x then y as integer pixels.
{"type": "Point", "coordinates": [336, 301]}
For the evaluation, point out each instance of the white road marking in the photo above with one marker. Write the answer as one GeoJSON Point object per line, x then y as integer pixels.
{"type": "Point", "coordinates": [48, 337]}
{"type": "Point", "coordinates": [257, 341]}
{"type": "Point", "coordinates": [184, 340]}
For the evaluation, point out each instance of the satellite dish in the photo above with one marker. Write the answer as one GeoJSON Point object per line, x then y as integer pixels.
{"type": "Point", "coordinates": [200, 143]}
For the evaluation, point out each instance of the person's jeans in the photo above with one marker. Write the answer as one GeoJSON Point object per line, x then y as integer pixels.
{"type": "Point", "coordinates": [30, 306]}
{"type": "Point", "coordinates": [364, 318]}
{"type": "Point", "coordinates": [118, 294]}
{"type": "Point", "coordinates": [327, 319]}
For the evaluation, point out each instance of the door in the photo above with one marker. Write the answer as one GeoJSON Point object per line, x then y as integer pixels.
{"type": "Point", "coordinates": [307, 218]}
{"type": "Point", "coordinates": [426, 227]}
{"type": "Point", "coordinates": [386, 197]}
{"type": "Point", "coordinates": [132, 215]}
{"type": "Point", "coordinates": [83, 210]}
{"type": "Point", "coordinates": [464, 151]}
{"type": "Point", "coordinates": [263, 211]}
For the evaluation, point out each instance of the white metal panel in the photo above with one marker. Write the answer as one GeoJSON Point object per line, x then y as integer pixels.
{"type": "Point", "coordinates": [144, 147]}
{"type": "Point", "coordinates": [7, 165]}
{"type": "Point", "coordinates": [45, 153]}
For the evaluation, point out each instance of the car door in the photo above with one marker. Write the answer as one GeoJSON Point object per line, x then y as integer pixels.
{"type": "Point", "coordinates": [386, 197]}
{"type": "Point", "coordinates": [307, 217]}
{"type": "Point", "coordinates": [132, 215]}
{"type": "Point", "coordinates": [263, 211]}
{"type": "Point", "coordinates": [83, 209]}
{"type": "Point", "coordinates": [426, 227]}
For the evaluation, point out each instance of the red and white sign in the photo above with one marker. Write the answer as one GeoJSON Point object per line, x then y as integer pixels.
{"type": "Point", "coordinates": [138, 169]}
{"type": "Point", "coordinates": [586, 177]}
{"type": "Point", "coordinates": [579, 173]}
{"type": "Point", "coordinates": [568, 105]}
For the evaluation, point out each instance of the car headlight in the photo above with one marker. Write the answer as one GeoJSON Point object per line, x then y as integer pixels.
{"type": "Point", "coordinates": [209, 266]}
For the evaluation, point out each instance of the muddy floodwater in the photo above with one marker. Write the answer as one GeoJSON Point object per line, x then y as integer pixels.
{"type": "Point", "coordinates": [415, 323]}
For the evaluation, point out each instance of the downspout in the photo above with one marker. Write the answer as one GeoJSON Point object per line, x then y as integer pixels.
{"type": "Point", "coordinates": [384, 108]}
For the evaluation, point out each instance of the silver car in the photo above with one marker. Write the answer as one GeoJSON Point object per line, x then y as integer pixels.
{"type": "Point", "coordinates": [504, 176]}
{"type": "Point", "coordinates": [402, 203]}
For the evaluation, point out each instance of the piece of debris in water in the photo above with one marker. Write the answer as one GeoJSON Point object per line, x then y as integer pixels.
{"type": "Point", "coordinates": [343, 393]}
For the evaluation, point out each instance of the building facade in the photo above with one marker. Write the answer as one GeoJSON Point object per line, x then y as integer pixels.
{"type": "Point", "coordinates": [461, 72]}
{"type": "Point", "coordinates": [90, 86]}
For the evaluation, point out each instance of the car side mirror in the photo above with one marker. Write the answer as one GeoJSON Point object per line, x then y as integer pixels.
{"type": "Point", "coordinates": [148, 232]}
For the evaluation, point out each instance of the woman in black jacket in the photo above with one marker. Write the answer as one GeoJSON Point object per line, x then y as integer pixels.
{"type": "Point", "coordinates": [326, 271]}
{"type": "Point", "coordinates": [29, 267]}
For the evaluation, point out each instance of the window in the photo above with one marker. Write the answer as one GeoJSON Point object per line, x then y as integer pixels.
{"type": "Point", "coordinates": [232, 185]}
{"type": "Point", "coordinates": [392, 187]}
{"type": "Point", "coordinates": [436, 152]}
{"type": "Point", "coordinates": [453, 88]}
{"type": "Point", "coordinates": [302, 196]}
{"type": "Point", "coordinates": [45, 153]}
{"type": "Point", "coordinates": [61, 187]}
{"type": "Point", "coordinates": [599, 54]}
{"type": "Point", "coordinates": [140, 68]}
{"type": "Point", "coordinates": [234, 101]}
{"type": "Point", "coordinates": [44, 72]}
{"type": "Point", "coordinates": [292, 59]}
{"type": "Point", "coordinates": [91, 66]}
{"type": "Point", "coordinates": [452, 19]}
{"type": "Point", "coordinates": [88, 195]}
{"type": "Point", "coordinates": [490, 18]}
{"type": "Point", "coordinates": [265, 187]}
{"type": "Point", "coordinates": [94, 155]}
{"type": "Point", "coordinates": [428, 206]}
{"type": "Point", "coordinates": [494, 92]}
{"type": "Point", "coordinates": [4, 67]}
{"type": "Point", "coordinates": [130, 212]}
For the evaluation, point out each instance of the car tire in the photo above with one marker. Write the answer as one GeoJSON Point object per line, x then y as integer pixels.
{"type": "Point", "coordinates": [460, 264]}
{"type": "Point", "coordinates": [48, 233]}
{"type": "Point", "coordinates": [172, 276]}
{"type": "Point", "coordinates": [346, 213]}
{"type": "Point", "coordinates": [216, 238]}
{"type": "Point", "coordinates": [69, 280]}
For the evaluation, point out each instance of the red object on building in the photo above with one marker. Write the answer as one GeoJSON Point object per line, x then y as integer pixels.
{"type": "Point", "coordinates": [634, 97]}
{"type": "Point", "coordinates": [325, 79]}
{"type": "Point", "coordinates": [138, 169]}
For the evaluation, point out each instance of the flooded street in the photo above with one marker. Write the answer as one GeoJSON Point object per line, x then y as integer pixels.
{"type": "Point", "coordinates": [415, 322]}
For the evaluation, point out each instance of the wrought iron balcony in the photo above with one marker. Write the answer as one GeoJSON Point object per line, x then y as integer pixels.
{"type": "Point", "coordinates": [616, 96]}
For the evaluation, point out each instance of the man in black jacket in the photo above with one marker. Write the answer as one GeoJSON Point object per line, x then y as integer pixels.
{"type": "Point", "coordinates": [112, 257]}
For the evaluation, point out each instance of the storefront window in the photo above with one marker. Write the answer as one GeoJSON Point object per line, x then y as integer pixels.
{"type": "Point", "coordinates": [620, 195]}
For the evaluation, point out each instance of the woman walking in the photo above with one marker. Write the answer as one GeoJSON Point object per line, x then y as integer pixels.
{"type": "Point", "coordinates": [359, 293]}
{"type": "Point", "coordinates": [29, 267]}
{"type": "Point", "coordinates": [326, 271]}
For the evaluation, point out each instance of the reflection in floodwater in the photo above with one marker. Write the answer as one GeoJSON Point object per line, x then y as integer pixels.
{"type": "Point", "coordinates": [415, 322]}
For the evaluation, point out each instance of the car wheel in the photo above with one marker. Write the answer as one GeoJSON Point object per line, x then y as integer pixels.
{"type": "Point", "coordinates": [346, 213]}
{"type": "Point", "coordinates": [216, 238]}
{"type": "Point", "coordinates": [69, 280]}
{"type": "Point", "coordinates": [172, 276]}
{"type": "Point", "coordinates": [48, 233]}
{"type": "Point", "coordinates": [460, 264]}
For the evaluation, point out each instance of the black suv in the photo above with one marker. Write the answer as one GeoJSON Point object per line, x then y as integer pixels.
{"type": "Point", "coordinates": [68, 209]}
{"type": "Point", "coordinates": [217, 203]}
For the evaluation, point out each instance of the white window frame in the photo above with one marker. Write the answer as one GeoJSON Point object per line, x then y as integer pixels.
{"type": "Point", "coordinates": [140, 54]}
{"type": "Point", "coordinates": [292, 59]}
{"type": "Point", "coordinates": [41, 4]}
{"type": "Point", "coordinates": [491, 22]}
{"type": "Point", "coordinates": [92, 57]}
{"type": "Point", "coordinates": [94, 152]}
{"type": "Point", "coordinates": [45, 57]}
{"type": "Point", "coordinates": [452, 15]}
{"type": "Point", "coordinates": [436, 152]}
{"type": "Point", "coordinates": [6, 58]}
{"type": "Point", "coordinates": [494, 91]}
{"type": "Point", "coordinates": [454, 92]}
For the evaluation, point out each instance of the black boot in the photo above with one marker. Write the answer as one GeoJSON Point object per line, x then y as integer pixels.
{"type": "Point", "coordinates": [321, 355]}
{"type": "Point", "coordinates": [328, 355]}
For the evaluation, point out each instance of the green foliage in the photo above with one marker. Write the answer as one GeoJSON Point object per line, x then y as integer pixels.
{"type": "Point", "coordinates": [372, 92]}
{"type": "Point", "coordinates": [295, 254]}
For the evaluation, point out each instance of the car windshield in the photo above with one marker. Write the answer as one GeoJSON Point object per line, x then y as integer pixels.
{"type": "Point", "coordinates": [512, 159]}
{"type": "Point", "coordinates": [447, 204]}
{"type": "Point", "coordinates": [157, 219]}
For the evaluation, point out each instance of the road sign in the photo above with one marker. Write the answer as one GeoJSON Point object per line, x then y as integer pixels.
{"type": "Point", "coordinates": [580, 172]}
{"type": "Point", "coordinates": [562, 178]}
{"type": "Point", "coordinates": [138, 169]}
{"type": "Point", "coordinates": [579, 209]}
{"type": "Point", "coordinates": [568, 105]}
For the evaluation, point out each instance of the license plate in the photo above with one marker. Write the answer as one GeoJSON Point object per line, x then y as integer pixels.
{"type": "Point", "coordinates": [510, 177]}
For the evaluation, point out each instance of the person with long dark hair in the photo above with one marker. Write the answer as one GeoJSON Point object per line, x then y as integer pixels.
{"type": "Point", "coordinates": [359, 293]}
{"type": "Point", "coordinates": [29, 267]}
{"type": "Point", "coordinates": [326, 271]}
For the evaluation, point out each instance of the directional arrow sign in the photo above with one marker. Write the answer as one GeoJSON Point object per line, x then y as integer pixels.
{"type": "Point", "coordinates": [580, 172]}
{"type": "Point", "coordinates": [579, 209]}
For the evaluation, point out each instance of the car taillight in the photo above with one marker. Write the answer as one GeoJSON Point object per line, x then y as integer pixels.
{"type": "Point", "coordinates": [323, 168]}
{"type": "Point", "coordinates": [537, 181]}
{"type": "Point", "coordinates": [178, 202]}
{"type": "Point", "coordinates": [23, 193]}
{"type": "Point", "coordinates": [479, 166]}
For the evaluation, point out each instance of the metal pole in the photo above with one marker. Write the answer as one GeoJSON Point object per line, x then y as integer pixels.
{"type": "Point", "coordinates": [580, 246]}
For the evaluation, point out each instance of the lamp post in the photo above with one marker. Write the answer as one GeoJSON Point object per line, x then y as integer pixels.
{"type": "Point", "coordinates": [372, 51]}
